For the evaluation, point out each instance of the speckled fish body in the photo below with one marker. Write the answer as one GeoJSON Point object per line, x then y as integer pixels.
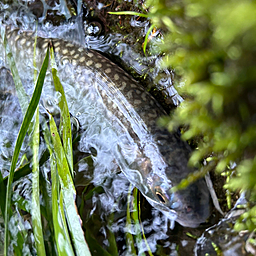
{"type": "Point", "coordinates": [119, 120]}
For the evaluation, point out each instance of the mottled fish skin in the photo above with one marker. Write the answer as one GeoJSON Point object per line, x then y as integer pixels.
{"type": "Point", "coordinates": [161, 157]}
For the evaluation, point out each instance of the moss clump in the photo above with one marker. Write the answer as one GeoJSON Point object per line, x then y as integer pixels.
{"type": "Point", "coordinates": [212, 47]}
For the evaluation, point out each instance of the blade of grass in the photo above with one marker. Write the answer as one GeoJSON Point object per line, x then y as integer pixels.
{"type": "Point", "coordinates": [22, 132]}
{"type": "Point", "coordinates": [69, 193]}
{"type": "Point", "coordinates": [2, 194]}
{"type": "Point", "coordinates": [128, 234]}
{"type": "Point", "coordinates": [59, 222]}
{"type": "Point", "coordinates": [146, 38]}
{"type": "Point", "coordinates": [143, 233]}
{"type": "Point", "coordinates": [95, 246]}
{"type": "Point", "coordinates": [130, 13]}
{"type": "Point", "coordinates": [135, 217]}
{"type": "Point", "coordinates": [26, 169]}
{"type": "Point", "coordinates": [111, 237]}
{"type": "Point", "coordinates": [35, 204]}
{"type": "Point", "coordinates": [22, 203]}
{"type": "Point", "coordinates": [36, 214]}
{"type": "Point", "coordinates": [66, 124]}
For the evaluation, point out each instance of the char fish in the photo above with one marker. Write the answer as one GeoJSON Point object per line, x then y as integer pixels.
{"type": "Point", "coordinates": [118, 117]}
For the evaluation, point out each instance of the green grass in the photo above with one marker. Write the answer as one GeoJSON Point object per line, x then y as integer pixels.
{"type": "Point", "coordinates": [63, 208]}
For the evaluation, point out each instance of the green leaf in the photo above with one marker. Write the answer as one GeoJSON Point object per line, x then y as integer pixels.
{"type": "Point", "coordinates": [135, 217]}
{"type": "Point", "coordinates": [69, 193]}
{"type": "Point", "coordinates": [129, 237]}
{"type": "Point", "coordinates": [22, 132]}
{"type": "Point", "coordinates": [59, 220]}
{"type": "Point", "coordinates": [2, 194]}
{"type": "Point", "coordinates": [130, 13]}
{"type": "Point", "coordinates": [65, 116]}
{"type": "Point", "coordinates": [146, 38]}
{"type": "Point", "coordinates": [36, 214]}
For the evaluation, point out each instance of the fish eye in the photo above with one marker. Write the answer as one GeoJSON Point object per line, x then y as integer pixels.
{"type": "Point", "coordinates": [160, 196]}
{"type": "Point", "coordinates": [188, 209]}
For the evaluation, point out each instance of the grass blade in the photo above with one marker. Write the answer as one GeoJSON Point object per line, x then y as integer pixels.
{"type": "Point", "coordinates": [130, 13]}
{"type": "Point", "coordinates": [135, 217]}
{"type": "Point", "coordinates": [69, 193]}
{"type": "Point", "coordinates": [2, 194]}
{"type": "Point", "coordinates": [66, 124]}
{"type": "Point", "coordinates": [36, 214]}
{"type": "Point", "coordinates": [128, 234]}
{"type": "Point", "coordinates": [143, 233]}
{"type": "Point", "coordinates": [111, 237]}
{"type": "Point", "coordinates": [22, 132]}
{"type": "Point", "coordinates": [146, 38]}
{"type": "Point", "coordinates": [59, 221]}
{"type": "Point", "coordinates": [35, 204]}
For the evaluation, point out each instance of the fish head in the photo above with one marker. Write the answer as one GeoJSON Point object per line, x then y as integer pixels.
{"type": "Point", "coordinates": [191, 206]}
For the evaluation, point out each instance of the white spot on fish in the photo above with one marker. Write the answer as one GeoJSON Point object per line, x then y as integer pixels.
{"type": "Point", "coordinates": [74, 62]}
{"type": "Point", "coordinates": [144, 96]}
{"type": "Point", "coordinates": [108, 70]}
{"type": "Point", "coordinates": [90, 54]}
{"type": "Point", "coordinates": [64, 51]}
{"type": "Point", "coordinates": [82, 59]}
{"type": "Point", "coordinates": [76, 56]}
{"type": "Point", "coordinates": [72, 52]}
{"type": "Point", "coordinates": [89, 62]}
{"type": "Point", "coordinates": [45, 45]}
{"type": "Point", "coordinates": [152, 114]}
{"type": "Point", "coordinates": [29, 34]}
{"type": "Point", "coordinates": [129, 95]}
{"type": "Point", "coordinates": [57, 49]}
{"type": "Point", "coordinates": [16, 38]}
{"type": "Point", "coordinates": [137, 102]}
{"type": "Point", "coordinates": [116, 77]}
{"type": "Point", "coordinates": [80, 49]}
{"type": "Point", "coordinates": [123, 86]}
{"type": "Point", "coordinates": [69, 45]}
{"type": "Point", "coordinates": [98, 65]}
{"type": "Point", "coordinates": [56, 44]}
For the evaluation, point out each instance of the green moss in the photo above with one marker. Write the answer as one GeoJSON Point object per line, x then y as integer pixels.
{"type": "Point", "coordinates": [212, 46]}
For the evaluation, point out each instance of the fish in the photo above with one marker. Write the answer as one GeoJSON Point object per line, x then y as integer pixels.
{"type": "Point", "coordinates": [119, 119]}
